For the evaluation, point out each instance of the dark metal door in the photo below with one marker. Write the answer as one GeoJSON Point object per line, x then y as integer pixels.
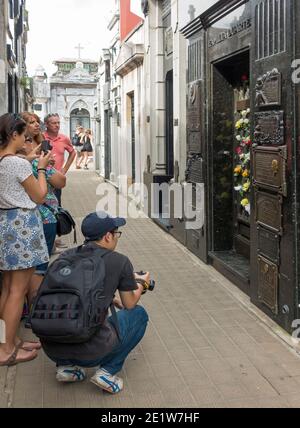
{"type": "Point", "coordinates": [133, 157]}
{"type": "Point", "coordinates": [273, 282]}
{"type": "Point", "coordinates": [196, 239]}
{"type": "Point", "coordinates": [107, 143]}
{"type": "Point", "coordinates": [169, 125]}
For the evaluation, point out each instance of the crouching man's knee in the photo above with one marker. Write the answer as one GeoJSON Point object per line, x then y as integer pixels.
{"type": "Point", "coordinates": [141, 315]}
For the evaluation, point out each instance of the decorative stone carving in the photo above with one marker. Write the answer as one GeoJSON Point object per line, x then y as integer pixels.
{"type": "Point", "coordinates": [145, 7]}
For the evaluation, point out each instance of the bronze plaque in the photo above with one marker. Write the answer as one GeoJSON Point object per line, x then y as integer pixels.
{"type": "Point", "coordinates": [268, 89]}
{"type": "Point", "coordinates": [269, 244]}
{"type": "Point", "coordinates": [269, 168]}
{"type": "Point", "coordinates": [268, 210]}
{"type": "Point", "coordinates": [194, 172]}
{"type": "Point", "coordinates": [268, 284]}
{"type": "Point", "coordinates": [194, 107]}
{"type": "Point", "coordinates": [269, 128]}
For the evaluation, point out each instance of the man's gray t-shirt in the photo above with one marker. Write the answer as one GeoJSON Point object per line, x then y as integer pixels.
{"type": "Point", "coordinates": [119, 276]}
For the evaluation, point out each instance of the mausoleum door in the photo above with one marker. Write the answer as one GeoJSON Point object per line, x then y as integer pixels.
{"type": "Point", "coordinates": [273, 282]}
{"type": "Point", "coordinates": [229, 172]}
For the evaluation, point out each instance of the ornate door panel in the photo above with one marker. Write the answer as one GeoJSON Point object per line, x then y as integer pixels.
{"type": "Point", "coordinates": [272, 242]}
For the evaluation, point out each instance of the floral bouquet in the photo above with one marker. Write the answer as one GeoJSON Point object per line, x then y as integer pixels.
{"type": "Point", "coordinates": [242, 181]}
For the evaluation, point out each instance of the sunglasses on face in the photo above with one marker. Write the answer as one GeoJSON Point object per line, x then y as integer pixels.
{"type": "Point", "coordinates": [118, 233]}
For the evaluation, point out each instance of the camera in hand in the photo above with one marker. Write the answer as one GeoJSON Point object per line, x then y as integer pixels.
{"type": "Point", "coordinates": [46, 146]}
{"type": "Point", "coordinates": [148, 286]}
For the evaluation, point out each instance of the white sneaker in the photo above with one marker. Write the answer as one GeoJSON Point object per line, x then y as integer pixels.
{"type": "Point", "coordinates": [70, 374]}
{"type": "Point", "coordinates": [108, 382]}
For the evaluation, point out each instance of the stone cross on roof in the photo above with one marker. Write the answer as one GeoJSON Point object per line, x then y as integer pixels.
{"type": "Point", "coordinates": [79, 47]}
{"type": "Point", "coordinates": [191, 12]}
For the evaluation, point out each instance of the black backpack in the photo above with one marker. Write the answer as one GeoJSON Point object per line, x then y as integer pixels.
{"type": "Point", "coordinates": [76, 141]}
{"type": "Point", "coordinates": [65, 222]}
{"type": "Point", "coordinates": [71, 304]}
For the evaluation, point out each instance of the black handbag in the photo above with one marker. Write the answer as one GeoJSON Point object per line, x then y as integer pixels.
{"type": "Point", "coordinates": [65, 222]}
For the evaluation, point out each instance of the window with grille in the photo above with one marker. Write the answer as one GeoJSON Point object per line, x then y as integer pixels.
{"type": "Point", "coordinates": [166, 7]}
{"type": "Point", "coordinates": [270, 23]}
{"type": "Point", "coordinates": [194, 61]}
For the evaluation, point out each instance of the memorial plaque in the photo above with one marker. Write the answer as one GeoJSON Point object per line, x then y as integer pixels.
{"type": "Point", "coordinates": [194, 142]}
{"type": "Point", "coordinates": [268, 210]}
{"type": "Point", "coordinates": [269, 128]}
{"type": "Point", "coordinates": [268, 89]}
{"type": "Point", "coordinates": [269, 168]}
{"type": "Point", "coordinates": [269, 244]}
{"type": "Point", "coordinates": [268, 284]}
{"type": "Point", "coordinates": [194, 107]}
{"type": "Point", "coordinates": [194, 172]}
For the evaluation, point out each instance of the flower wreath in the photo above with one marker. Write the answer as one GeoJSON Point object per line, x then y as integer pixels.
{"type": "Point", "coordinates": [242, 181]}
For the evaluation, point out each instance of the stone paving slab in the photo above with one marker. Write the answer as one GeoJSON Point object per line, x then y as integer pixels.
{"type": "Point", "coordinates": [205, 345]}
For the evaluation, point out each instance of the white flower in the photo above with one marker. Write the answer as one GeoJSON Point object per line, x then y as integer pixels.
{"type": "Point", "coordinates": [246, 121]}
{"type": "Point", "coordinates": [238, 188]}
{"type": "Point", "coordinates": [248, 110]}
{"type": "Point", "coordinates": [248, 209]}
{"type": "Point", "coordinates": [238, 137]}
{"type": "Point", "coordinates": [242, 121]}
{"type": "Point", "coordinates": [244, 113]}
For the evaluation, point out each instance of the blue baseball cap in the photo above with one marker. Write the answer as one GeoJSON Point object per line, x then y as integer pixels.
{"type": "Point", "coordinates": [97, 224]}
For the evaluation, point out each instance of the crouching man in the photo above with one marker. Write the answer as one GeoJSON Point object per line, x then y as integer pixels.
{"type": "Point", "coordinates": [108, 348]}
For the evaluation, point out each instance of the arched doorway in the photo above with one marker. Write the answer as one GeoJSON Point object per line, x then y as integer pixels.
{"type": "Point", "coordinates": [79, 117]}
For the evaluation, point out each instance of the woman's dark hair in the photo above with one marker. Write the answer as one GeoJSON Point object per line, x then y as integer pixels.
{"type": "Point", "coordinates": [10, 123]}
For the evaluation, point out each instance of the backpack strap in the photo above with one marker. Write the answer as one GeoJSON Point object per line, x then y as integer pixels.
{"type": "Point", "coordinates": [104, 251]}
{"type": "Point", "coordinates": [115, 320]}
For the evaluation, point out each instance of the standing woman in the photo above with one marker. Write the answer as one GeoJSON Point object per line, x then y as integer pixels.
{"type": "Point", "coordinates": [33, 127]}
{"type": "Point", "coordinates": [87, 149]}
{"type": "Point", "coordinates": [48, 210]}
{"type": "Point", "coordinates": [22, 241]}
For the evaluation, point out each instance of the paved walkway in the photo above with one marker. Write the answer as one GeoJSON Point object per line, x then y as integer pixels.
{"type": "Point", "coordinates": [203, 347]}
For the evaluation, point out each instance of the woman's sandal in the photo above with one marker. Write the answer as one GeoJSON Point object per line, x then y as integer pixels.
{"type": "Point", "coordinates": [12, 360]}
{"type": "Point", "coordinates": [29, 345]}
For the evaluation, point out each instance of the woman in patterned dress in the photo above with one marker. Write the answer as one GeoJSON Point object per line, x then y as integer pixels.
{"type": "Point", "coordinates": [22, 241]}
{"type": "Point", "coordinates": [55, 180]}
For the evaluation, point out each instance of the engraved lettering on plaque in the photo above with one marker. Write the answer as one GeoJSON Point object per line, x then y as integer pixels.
{"type": "Point", "coordinates": [268, 244]}
{"type": "Point", "coordinates": [194, 172]}
{"type": "Point", "coordinates": [270, 168]}
{"type": "Point", "coordinates": [268, 211]}
{"type": "Point", "coordinates": [269, 128]}
{"type": "Point", "coordinates": [268, 284]}
{"type": "Point", "coordinates": [268, 89]}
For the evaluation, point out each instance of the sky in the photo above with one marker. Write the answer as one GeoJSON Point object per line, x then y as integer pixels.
{"type": "Point", "coordinates": [57, 26]}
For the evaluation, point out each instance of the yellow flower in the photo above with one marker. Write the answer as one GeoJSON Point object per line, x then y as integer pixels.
{"type": "Point", "coordinates": [246, 173]}
{"type": "Point", "coordinates": [246, 186]}
{"type": "Point", "coordinates": [238, 124]}
{"type": "Point", "coordinates": [245, 202]}
{"type": "Point", "coordinates": [238, 169]}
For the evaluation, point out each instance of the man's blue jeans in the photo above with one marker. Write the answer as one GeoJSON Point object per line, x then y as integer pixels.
{"type": "Point", "coordinates": [132, 324]}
